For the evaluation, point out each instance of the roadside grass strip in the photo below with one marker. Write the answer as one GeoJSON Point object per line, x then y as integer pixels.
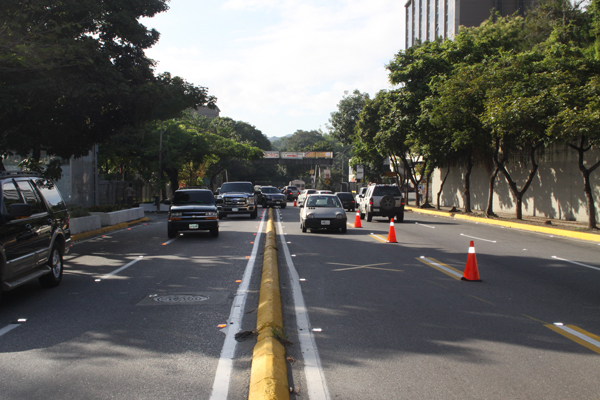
{"type": "Point", "coordinates": [577, 335]}
{"type": "Point", "coordinates": [446, 269]}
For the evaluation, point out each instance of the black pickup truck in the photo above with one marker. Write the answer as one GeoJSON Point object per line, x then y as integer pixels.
{"type": "Point", "coordinates": [237, 198]}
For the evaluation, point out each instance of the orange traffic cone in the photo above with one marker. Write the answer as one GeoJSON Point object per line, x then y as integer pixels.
{"type": "Point", "coordinates": [357, 223]}
{"type": "Point", "coordinates": [471, 272]}
{"type": "Point", "coordinates": [392, 234]}
{"type": "Point", "coordinates": [295, 204]}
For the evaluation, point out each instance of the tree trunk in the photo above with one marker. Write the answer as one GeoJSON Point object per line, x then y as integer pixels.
{"type": "Point", "coordinates": [587, 187]}
{"type": "Point", "coordinates": [468, 184]}
{"type": "Point", "coordinates": [426, 197]}
{"type": "Point", "coordinates": [441, 187]}
{"type": "Point", "coordinates": [513, 186]}
{"type": "Point", "coordinates": [490, 206]}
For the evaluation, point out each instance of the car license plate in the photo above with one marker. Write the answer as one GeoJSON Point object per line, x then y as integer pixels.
{"type": "Point", "coordinates": [376, 210]}
{"type": "Point", "coordinates": [193, 226]}
{"type": "Point", "coordinates": [234, 209]}
{"type": "Point", "coordinates": [277, 201]}
{"type": "Point", "coordinates": [325, 222]}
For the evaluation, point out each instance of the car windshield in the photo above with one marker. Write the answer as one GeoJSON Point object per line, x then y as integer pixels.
{"type": "Point", "coordinates": [386, 190]}
{"type": "Point", "coordinates": [239, 187]}
{"type": "Point", "coordinates": [193, 197]}
{"type": "Point", "coordinates": [270, 190]}
{"type": "Point", "coordinates": [323, 201]}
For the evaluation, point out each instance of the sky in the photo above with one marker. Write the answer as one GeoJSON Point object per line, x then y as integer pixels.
{"type": "Point", "coordinates": [279, 65]}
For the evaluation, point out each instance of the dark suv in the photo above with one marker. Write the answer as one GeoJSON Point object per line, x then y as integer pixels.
{"type": "Point", "coordinates": [237, 198]}
{"type": "Point", "coordinates": [192, 210]}
{"type": "Point", "coordinates": [382, 201]}
{"type": "Point", "coordinates": [34, 231]}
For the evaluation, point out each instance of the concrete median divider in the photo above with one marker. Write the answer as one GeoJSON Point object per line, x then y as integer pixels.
{"type": "Point", "coordinates": [268, 376]}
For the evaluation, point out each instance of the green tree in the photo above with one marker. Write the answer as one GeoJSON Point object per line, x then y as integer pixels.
{"type": "Point", "coordinates": [343, 121]}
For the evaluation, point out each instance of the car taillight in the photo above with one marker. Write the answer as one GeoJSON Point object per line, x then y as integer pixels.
{"type": "Point", "coordinates": [371, 201]}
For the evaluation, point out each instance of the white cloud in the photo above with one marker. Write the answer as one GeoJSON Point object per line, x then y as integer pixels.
{"type": "Point", "coordinates": [296, 65]}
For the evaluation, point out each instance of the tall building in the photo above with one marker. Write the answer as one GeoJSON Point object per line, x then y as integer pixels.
{"type": "Point", "coordinates": [428, 19]}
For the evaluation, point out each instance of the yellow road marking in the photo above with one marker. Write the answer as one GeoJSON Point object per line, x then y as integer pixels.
{"type": "Point", "coordinates": [485, 301]}
{"type": "Point", "coordinates": [578, 335]}
{"type": "Point", "coordinates": [446, 269]}
{"type": "Point", "coordinates": [381, 239]}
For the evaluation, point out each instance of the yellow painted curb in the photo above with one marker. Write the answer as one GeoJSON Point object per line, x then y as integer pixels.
{"type": "Point", "coordinates": [268, 375]}
{"type": "Point", "coordinates": [83, 235]}
{"type": "Point", "coordinates": [533, 228]}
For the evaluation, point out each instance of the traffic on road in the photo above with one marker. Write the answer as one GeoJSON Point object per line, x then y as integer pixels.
{"type": "Point", "coordinates": [142, 315]}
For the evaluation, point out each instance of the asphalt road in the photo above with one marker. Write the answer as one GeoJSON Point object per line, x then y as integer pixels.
{"type": "Point", "coordinates": [138, 316]}
{"type": "Point", "coordinates": [388, 325]}
{"type": "Point", "coordinates": [148, 331]}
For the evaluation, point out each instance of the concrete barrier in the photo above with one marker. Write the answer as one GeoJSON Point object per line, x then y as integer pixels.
{"type": "Point", "coordinates": [268, 375]}
{"type": "Point", "coordinates": [118, 217]}
{"type": "Point", "coordinates": [84, 224]}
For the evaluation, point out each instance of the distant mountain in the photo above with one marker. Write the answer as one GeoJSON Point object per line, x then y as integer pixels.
{"type": "Point", "coordinates": [274, 138]}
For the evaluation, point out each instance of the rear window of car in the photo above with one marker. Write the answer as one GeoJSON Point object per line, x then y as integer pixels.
{"type": "Point", "coordinates": [345, 196]}
{"type": "Point", "coordinates": [386, 191]}
{"type": "Point", "coordinates": [292, 188]}
{"type": "Point", "coordinates": [51, 194]}
{"type": "Point", "coordinates": [193, 197]}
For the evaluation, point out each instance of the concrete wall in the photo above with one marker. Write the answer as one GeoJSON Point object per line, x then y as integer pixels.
{"type": "Point", "coordinates": [556, 191]}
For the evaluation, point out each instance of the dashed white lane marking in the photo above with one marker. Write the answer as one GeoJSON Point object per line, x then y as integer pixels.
{"type": "Point", "coordinates": [315, 377]}
{"type": "Point", "coordinates": [8, 328]}
{"type": "Point", "coordinates": [576, 263]}
{"type": "Point", "coordinates": [116, 271]}
{"type": "Point", "coordinates": [426, 226]}
{"type": "Point", "coordinates": [222, 379]}
{"type": "Point", "coordinates": [473, 237]}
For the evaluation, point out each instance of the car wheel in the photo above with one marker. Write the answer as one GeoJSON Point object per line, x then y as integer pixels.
{"type": "Point", "coordinates": [214, 232]}
{"type": "Point", "coordinates": [264, 204]}
{"type": "Point", "coordinates": [254, 214]}
{"type": "Point", "coordinates": [387, 203]}
{"type": "Point", "coordinates": [400, 217]}
{"type": "Point", "coordinates": [55, 262]}
{"type": "Point", "coordinates": [369, 217]}
{"type": "Point", "coordinates": [283, 205]}
{"type": "Point", "coordinates": [344, 229]}
{"type": "Point", "coordinates": [303, 227]}
{"type": "Point", "coordinates": [362, 215]}
{"type": "Point", "coordinates": [171, 233]}
{"type": "Point", "coordinates": [221, 215]}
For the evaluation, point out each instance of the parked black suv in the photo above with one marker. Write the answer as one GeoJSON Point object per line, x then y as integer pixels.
{"type": "Point", "coordinates": [237, 198]}
{"type": "Point", "coordinates": [192, 210]}
{"type": "Point", "coordinates": [34, 230]}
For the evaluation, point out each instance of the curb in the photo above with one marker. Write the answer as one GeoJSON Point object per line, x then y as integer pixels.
{"type": "Point", "coordinates": [84, 235]}
{"type": "Point", "coordinates": [268, 375]}
{"type": "Point", "coordinates": [532, 228]}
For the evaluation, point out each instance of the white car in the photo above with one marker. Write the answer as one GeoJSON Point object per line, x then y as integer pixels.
{"type": "Point", "coordinates": [323, 211]}
{"type": "Point", "coordinates": [303, 195]}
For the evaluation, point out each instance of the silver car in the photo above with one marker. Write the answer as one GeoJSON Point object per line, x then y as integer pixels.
{"type": "Point", "coordinates": [323, 211]}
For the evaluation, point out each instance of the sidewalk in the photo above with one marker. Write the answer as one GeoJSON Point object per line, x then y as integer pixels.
{"type": "Point", "coordinates": [557, 227]}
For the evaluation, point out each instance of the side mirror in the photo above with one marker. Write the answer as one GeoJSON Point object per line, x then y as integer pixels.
{"type": "Point", "coordinates": [167, 202]}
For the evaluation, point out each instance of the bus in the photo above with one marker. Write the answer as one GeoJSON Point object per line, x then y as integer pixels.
{"type": "Point", "coordinates": [298, 183]}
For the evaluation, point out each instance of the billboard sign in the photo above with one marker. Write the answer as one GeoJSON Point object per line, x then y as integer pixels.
{"type": "Point", "coordinates": [271, 154]}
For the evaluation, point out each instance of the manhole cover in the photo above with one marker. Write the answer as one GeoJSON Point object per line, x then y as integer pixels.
{"type": "Point", "coordinates": [180, 298]}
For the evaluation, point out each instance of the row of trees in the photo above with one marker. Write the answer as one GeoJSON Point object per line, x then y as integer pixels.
{"type": "Point", "coordinates": [73, 74]}
{"type": "Point", "coordinates": [498, 92]}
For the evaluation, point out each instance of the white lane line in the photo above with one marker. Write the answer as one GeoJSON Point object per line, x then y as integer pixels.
{"type": "Point", "coordinates": [8, 328]}
{"type": "Point", "coordinates": [473, 237]}
{"type": "Point", "coordinates": [313, 371]}
{"type": "Point", "coordinates": [426, 226]}
{"type": "Point", "coordinates": [576, 263]}
{"type": "Point", "coordinates": [116, 271]}
{"type": "Point", "coordinates": [220, 386]}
